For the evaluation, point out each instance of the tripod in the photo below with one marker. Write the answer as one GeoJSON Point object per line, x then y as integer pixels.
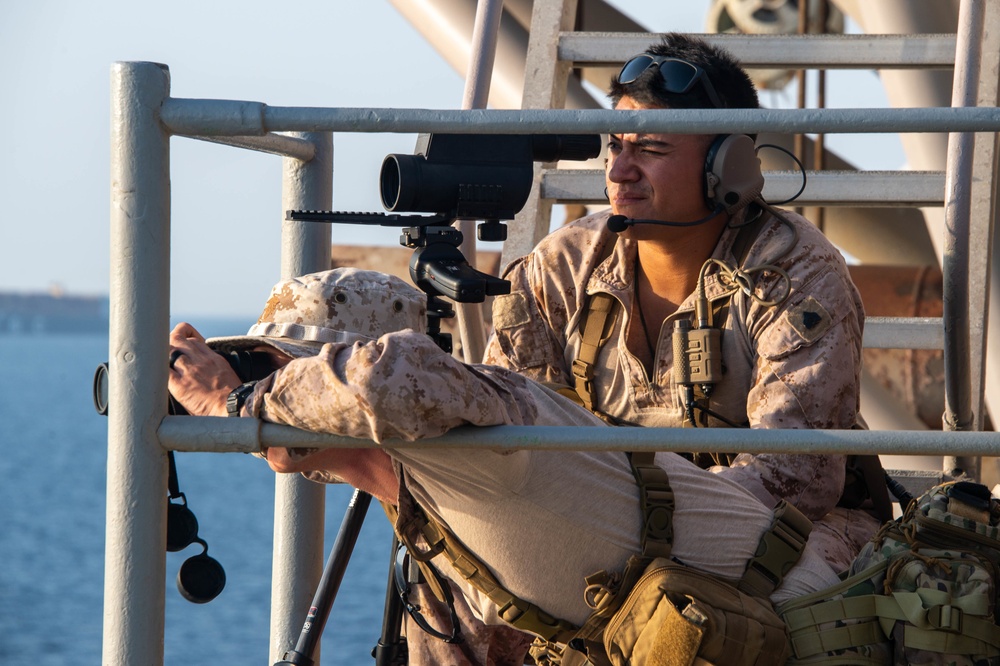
{"type": "Point", "coordinates": [437, 267]}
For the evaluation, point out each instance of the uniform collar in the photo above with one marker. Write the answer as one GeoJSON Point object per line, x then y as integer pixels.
{"type": "Point", "coordinates": [615, 275]}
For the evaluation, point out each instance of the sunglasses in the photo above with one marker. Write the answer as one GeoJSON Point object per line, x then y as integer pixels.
{"type": "Point", "coordinates": [679, 76]}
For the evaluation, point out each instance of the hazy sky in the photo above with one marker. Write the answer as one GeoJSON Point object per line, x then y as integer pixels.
{"type": "Point", "coordinates": [55, 61]}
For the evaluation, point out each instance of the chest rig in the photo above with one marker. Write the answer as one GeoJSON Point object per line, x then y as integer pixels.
{"type": "Point", "coordinates": [697, 350]}
{"type": "Point", "coordinates": [698, 366]}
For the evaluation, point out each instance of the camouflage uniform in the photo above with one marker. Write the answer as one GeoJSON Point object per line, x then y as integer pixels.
{"type": "Point", "coordinates": [542, 520]}
{"type": "Point", "coordinates": [795, 365]}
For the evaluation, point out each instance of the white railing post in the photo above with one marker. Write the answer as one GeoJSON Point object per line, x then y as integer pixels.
{"type": "Point", "coordinates": [299, 504]}
{"type": "Point", "coordinates": [959, 409]}
{"type": "Point", "coordinates": [135, 546]}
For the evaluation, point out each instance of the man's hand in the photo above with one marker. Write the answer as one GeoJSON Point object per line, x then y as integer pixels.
{"type": "Point", "coordinates": [200, 379]}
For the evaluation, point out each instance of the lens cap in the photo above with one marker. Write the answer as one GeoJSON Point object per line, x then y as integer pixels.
{"type": "Point", "coordinates": [101, 389]}
{"type": "Point", "coordinates": [182, 527]}
{"type": "Point", "coordinates": [201, 579]}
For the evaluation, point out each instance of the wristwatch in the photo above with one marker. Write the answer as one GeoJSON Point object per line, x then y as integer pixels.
{"type": "Point", "coordinates": [238, 397]}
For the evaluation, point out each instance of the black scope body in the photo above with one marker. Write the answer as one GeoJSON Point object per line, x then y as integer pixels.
{"type": "Point", "coordinates": [475, 176]}
{"type": "Point", "coordinates": [248, 366]}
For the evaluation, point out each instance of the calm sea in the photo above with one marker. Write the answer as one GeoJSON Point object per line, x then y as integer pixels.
{"type": "Point", "coordinates": [52, 485]}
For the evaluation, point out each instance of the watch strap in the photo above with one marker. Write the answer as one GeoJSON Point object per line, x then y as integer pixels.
{"type": "Point", "coordinates": [238, 397]}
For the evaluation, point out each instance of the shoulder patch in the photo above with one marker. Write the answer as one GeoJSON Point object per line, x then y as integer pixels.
{"type": "Point", "coordinates": [510, 311]}
{"type": "Point", "coordinates": [809, 319]}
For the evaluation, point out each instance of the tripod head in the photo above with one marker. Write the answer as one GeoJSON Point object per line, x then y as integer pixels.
{"type": "Point", "coordinates": [439, 268]}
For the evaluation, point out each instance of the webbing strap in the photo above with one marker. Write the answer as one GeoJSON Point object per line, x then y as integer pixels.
{"type": "Point", "coordinates": [965, 643]}
{"type": "Point", "coordinates": [837, 638]}
{"type": "Point", "coordinates": [780, 547]}
{"type": "Point", "coordinates": [432, 580]}
{"type": "Point", "coordinates": [656, 500]}
{"type": "Point", "coordinates": [511, 609]}
{"type": "Point", "coordinates": [941, 627]}
{"type": "Point", "coordinates": [599, 307]}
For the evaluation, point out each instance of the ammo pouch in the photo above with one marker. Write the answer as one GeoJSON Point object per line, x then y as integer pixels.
{"type": "Point", "coordinates": [922, 591]}
{"type": "Point", "coordinates": [676, 614]}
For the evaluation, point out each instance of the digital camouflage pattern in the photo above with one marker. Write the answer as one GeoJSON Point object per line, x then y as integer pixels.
{"type": "Point", "coordinates": [340, 305]}
{"type": "Point", "coordinates": [403, 386]}
{"type": "Point", "coordinates": [938, 566]}
{"type": "Point", "coordinates": [348, 305]}
{"type": "Point", "coordinates": [796, 365]}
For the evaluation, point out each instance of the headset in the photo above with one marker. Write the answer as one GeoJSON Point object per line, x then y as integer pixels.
{"type": "Point", "coordinates": [732, 181]}
{"type": "Point", "coordinates": [733, 178]}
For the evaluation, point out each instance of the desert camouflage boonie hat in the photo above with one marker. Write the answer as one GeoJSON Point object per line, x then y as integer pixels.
{"type": "Point", "coordinates": [339, 305]}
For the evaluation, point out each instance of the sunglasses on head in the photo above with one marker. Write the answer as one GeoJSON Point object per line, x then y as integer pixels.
{"type": "Point", "coordinates": [679, 76]}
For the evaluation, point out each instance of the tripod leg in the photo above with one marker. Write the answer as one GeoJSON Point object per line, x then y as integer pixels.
{"type": "Point", "coordinates": [329, 584]}
{"type": "Point", "coordinates": [391, 648]}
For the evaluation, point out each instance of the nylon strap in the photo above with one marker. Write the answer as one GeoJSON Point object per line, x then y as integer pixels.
{"type": "Point", "coordinates": [656, 500]}
{"type": "Point", "coordinates": [780, 547]}
{"type": "Point", "coordinates": [440, 541]}
{"type": "Point", "coordinates": [940, 627]}
{"type": "Point", "coordinates": [599, 307]}
{"type": "Point", "coordinates": [433, 581]}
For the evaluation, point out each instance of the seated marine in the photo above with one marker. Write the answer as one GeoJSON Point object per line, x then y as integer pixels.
{"type": "Point", "coordinates": [352, 359]}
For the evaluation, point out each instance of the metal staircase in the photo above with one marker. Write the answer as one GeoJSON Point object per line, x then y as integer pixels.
{"type": "Point", "coordinates": [966, 188]}
{"type": "Point", "coordinates": [146, 117]}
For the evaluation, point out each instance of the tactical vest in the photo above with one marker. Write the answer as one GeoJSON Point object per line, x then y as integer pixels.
{"type": "Point", "coordinates": [865, 478]}
{"type": "Point", "coordinates": [598, 321]}
{"type": "Point", "coordinates": [562, 642]}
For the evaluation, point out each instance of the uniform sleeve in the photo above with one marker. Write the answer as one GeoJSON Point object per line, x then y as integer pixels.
{"type": "Point", "coordinates": [528, 332]}
{"type": "Point", "coordinates": [401, 386]}
{"type": "Point", "coordinates": [806, 376]}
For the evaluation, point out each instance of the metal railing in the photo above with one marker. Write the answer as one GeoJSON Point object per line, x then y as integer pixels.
{"type": "Point", "coordinates": [140, 433]}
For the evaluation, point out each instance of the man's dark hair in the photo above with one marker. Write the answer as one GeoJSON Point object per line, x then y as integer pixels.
{"type": "Point", "coordinates": [734, 87]}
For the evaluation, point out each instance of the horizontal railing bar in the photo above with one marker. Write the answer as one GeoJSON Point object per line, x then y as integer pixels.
{"type": "Point", "coordinates": [903, 333]}
{"type": "Point", "coordinates": [779, 51]}
{"type": "Point", "coordinates": [231, 118]}
{"type": "Point", "coordinates": [215, 434]}
{"type": "Point", "coordinates": [823, 188]}
{"type": "Point", "coordinates": [274, 144]}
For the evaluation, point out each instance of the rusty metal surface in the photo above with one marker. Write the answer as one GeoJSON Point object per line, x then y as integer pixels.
{"type": "Point", "coordinates": [915, 377]}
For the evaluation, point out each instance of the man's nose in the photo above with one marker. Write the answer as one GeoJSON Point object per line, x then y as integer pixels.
{"type": "Point", "coordinates": [621, 168]}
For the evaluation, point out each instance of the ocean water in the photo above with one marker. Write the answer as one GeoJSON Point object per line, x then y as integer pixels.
{"type": "Point", "coordinates": [52, 486]}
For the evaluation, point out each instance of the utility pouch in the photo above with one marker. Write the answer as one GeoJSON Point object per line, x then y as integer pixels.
{"type": "Point", "coordinates": [922, 591]}
{"type": "Point", "coordinates": [677, 616]}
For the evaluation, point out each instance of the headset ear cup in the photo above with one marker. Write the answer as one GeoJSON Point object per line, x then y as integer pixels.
{"type": "Point", "coordinates": [732, 173]}
{"type": "Point", "coordinates": [711, 177]}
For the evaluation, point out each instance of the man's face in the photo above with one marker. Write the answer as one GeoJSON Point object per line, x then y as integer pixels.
{"type": "Point", "coordinates": [656, 176]}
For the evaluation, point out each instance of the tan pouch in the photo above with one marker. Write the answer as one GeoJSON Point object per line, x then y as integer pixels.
{"type": "Point", "coordinates": [678, 616]}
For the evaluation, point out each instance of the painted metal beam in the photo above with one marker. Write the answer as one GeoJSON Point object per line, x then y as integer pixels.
{"type": "Point", "coordinates": [299, 504]}
{"type": "Point", "coordinates": [181, 433]}
{"type": "Point", "coordinates": [274, 144]}
{"type": "Point", "coordinates": [778, 51]}
{"type": "Point", "coordinates": [136, 525]}
{"type": "Point", "coordinates": [217, 118]}
{"type": "Point", "coordinates": [903, 333]}
{"type": "Point", "coordinates": [823, 188]}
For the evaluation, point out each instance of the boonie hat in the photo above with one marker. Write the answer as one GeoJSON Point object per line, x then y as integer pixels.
{"type": "Point", "coordinates": [340, 305]}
